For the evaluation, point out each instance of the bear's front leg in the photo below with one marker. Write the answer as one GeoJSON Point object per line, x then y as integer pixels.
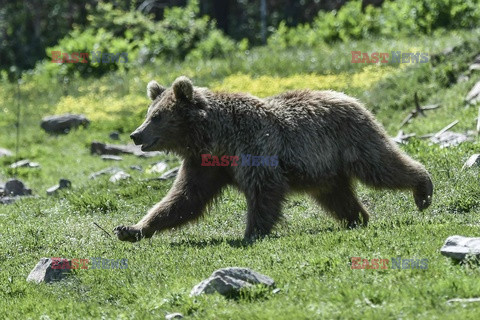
{"type": "Point", "coordinates": [194, 187]}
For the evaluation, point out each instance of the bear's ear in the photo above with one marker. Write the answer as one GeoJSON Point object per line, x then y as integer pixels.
{"type": "Point", "coordinates": [154, 90]}
{"type": "Point", "coordinates": [183, 88]}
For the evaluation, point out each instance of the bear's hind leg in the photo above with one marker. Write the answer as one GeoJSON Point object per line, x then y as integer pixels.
{"type": "Point", "coordinates": [394, 170]}
{"type": "Point", "coordinates": [341, 202]}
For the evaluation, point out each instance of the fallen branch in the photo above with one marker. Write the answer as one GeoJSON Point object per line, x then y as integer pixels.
{"type": "Point", "coordinates": [427, 136]}
{"type": "Point", "coordinates": [418, 110]}
{"type": "Point", "coordinates": [401, 137]}
{"type": "Point", "coordinates": [451, 125]}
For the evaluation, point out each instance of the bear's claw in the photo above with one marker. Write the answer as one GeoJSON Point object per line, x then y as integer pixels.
{"type": "Point", "coordinates": [423, 202]}
{"type": "Point", "coordinates": [131, 234]}
{"type": "Point", "coordinates": [423, 195]}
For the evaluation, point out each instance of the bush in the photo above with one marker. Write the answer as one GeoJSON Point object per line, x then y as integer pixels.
{"type": "Point", "coordinates": [394, 18]}
{"type": "Point", "coordinates": [93, 42]}
{"type": "Point", "coordinates": [216, 45]}
{"type": "Point", "coordinates": [180, 34]}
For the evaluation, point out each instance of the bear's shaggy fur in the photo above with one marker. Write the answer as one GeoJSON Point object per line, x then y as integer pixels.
{"type": "Point", "coordinates": [323, 140]}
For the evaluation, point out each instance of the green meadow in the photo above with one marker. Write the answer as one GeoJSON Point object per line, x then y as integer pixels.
{"type": "Point", "coordinates": [308, 255]}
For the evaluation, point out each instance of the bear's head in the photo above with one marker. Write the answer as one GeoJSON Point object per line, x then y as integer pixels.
{"type": "Point", "coordinates": [172, 111]}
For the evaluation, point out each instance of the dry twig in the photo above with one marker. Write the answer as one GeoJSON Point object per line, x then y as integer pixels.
{"type": "Point", "coordinates": [418, 110]}
{"type": "Point", "coordinates": [108, 234]}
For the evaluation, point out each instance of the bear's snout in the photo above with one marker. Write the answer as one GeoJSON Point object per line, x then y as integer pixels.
{"type": "Point", "coordinates": [135, 136]}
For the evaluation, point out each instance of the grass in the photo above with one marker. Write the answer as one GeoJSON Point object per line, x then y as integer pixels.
{"type": "Point", "coordinates": [308, 255]}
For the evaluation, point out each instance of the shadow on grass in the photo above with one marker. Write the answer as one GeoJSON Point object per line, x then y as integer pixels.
{"type": "Point", "coordinates": [236, 243]}
{"type": "Point", "coordinates": [244, 243]}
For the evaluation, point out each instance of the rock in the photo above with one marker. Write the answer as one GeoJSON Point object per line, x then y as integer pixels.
{"type": "Point", "coordinates": [16, 187]}
{"type": "Point", "coordinates": [111, 170]}
{"type": "Point", "coordinates": [175, 315]}
{"type": "Point", "coordinates": [114, 135]}
{"type": "Point", "coordinates": [64, 123]}
{"type": "Point", "coordinates": [108, 157]}
{"type": "Point", "coordinates": [224, 285]}
{"type": "Point", "coordinates": [170, 174]}
{"type": "Point", "coordinates": [474, 159]}
{"type": "Point", "coordinates": [474, 67]}
{"type": "Point", "coordinates": [5, 153]}
{"type": "Point", "coordinates": [229, 281]}
{"type": "Point", "coordinates": [473, 95]}
{"type": "Point", "coordinates": [246, 274]}
{"type": "Point", "coordinates": [450, 139]}
{"type": "Point", "coordinates": [24, 164]}
{"type": "Point", "coordinates": [136, 167]}
{"type": "Point", "coordinates": [13, 190]}
{"type": "Point", "coordinates": [115, 149]}
{"type": "Point", "coordinates": [62, 184]}
{"type": "Point", "coordinates": [46, 271]}
{"type": "Point", "coordinates": [120, 175]}
{"type": "Point", "coordinates": [158, 167]}
{"type": "Point", "coordinates": [458, 247]}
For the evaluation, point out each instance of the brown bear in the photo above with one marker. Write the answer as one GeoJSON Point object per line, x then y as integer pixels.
{"type": "Point", "coordinates": [321, 142]}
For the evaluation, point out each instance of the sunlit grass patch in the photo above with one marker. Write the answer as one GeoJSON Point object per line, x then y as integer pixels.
{"type": "Point", "coordinates": [267, 85]}
{"type": "Point", "coordinates": [101, 107]}
{"type": "Point", "coordinates": [100, 104]}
